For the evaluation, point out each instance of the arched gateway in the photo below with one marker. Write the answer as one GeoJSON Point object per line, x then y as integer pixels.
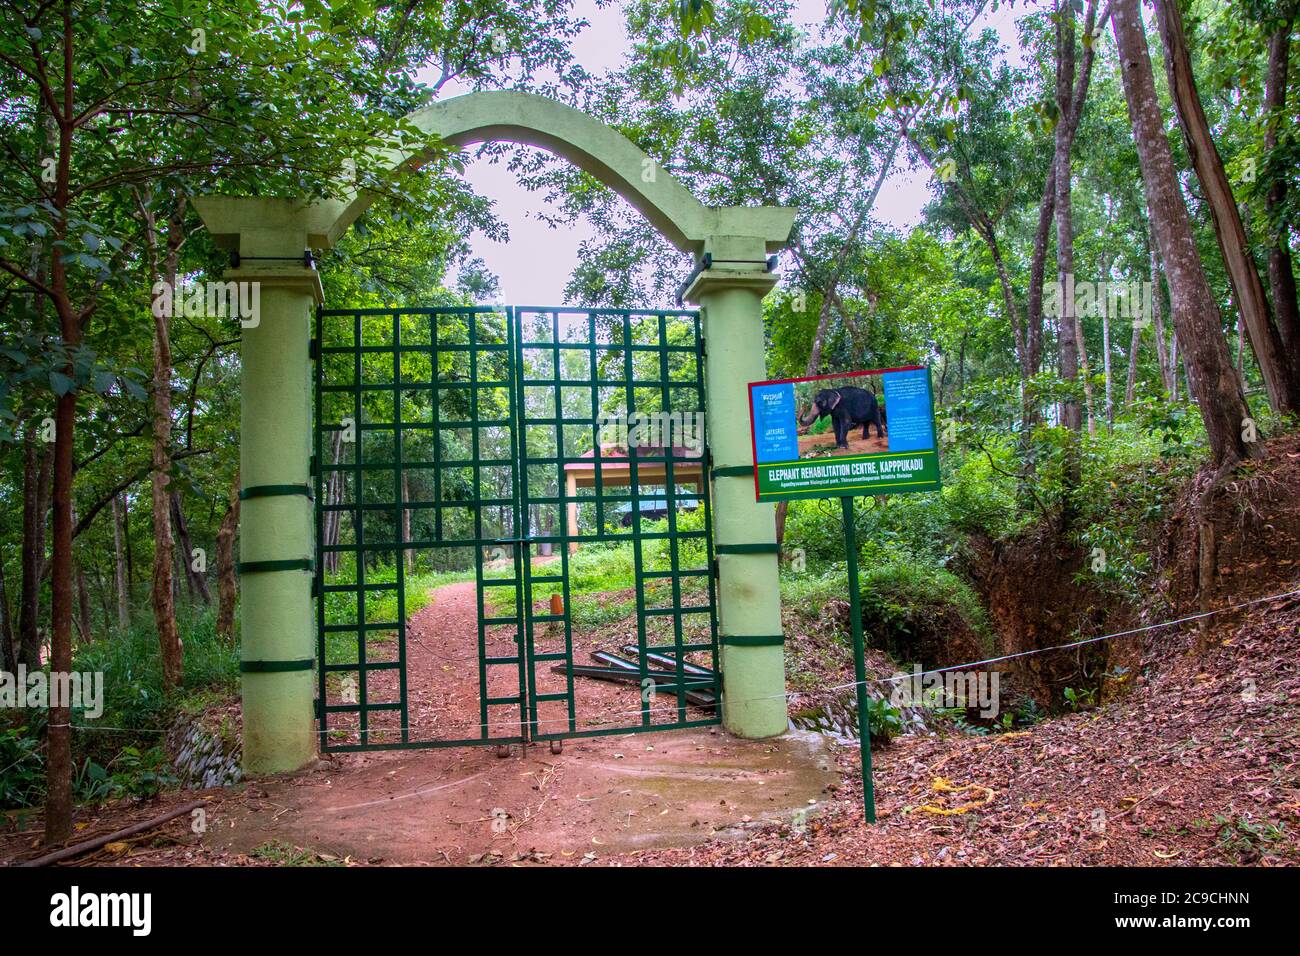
{"type": "Point", "coordinates": [279, 629]}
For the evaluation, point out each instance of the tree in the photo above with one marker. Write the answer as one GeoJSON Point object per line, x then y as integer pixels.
{"type": "Point", "coordinates": [1281, 378]}
{"type": "Point", "coordinates": [80, 89]}
{"type": "Point", "coordinates": [1194, 311]}
{"type": "Point", "coordinates": [1279, 130]}
{"type": "Point", "coordinates": [1069, 106]}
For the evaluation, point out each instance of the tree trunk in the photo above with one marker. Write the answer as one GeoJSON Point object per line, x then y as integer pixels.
{"type": "Point", "coordinates": [1071, 328]}
{"type": "Point", "coordinates": [1163, 358]}
{"type": "Point", "coordinates": [102, 589]}
{"type": "Point", "coordinates": [1105, 365]}
{"type": "Point", "coordinates": [180, 572]}
{"type": "Point", "coordinates": [1241, 354]}
{"type": "Point", "coordinates": [961, 363]}
{"type": "Point", "coordinates": [1281, 276]}
{"type": "Point", "coordinates": [333, 496]}
{"type": "Point", "coordinates": [408, 554]}
{"type": "Point", "coordinates": [1195, 312]}
{"type": "Point", "coordinates": [8, 653]}
{"type": "Point", "coordinates": [227, 589]}
{"type": "Point", "coordinates": [1248, 291]}
{"type": "Point", "coordinates": [1130, 383]}
{"type": "Point", "coordinates": [36, 480]}
{"type": "Point", "coordinates": [130, 552]}
{"type": "Point", "coordinates": [1085, 370]}
{"type": "Point", "coordinates": [83, 604]}
{"type": "Point", "coordinates": [58, 734]}
{"type": "Point", "coordinates": [164, 605]}
{"type": "Point", "coordinates": [119, 566]}
{"type": "Point", "coordinates": [1031, 361]}
{"type": "Point", "coordinates": [1173, 364]}
{"type": "Point", "coordinates": [198, 581]}
{"type": "Point", "coordinates": [58, 767]}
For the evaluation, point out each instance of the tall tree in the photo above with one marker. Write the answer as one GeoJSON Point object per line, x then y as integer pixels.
{"type": "Point", "coordinates": [1281, 379]}
{"type": "Point", "coordinates": [1069, 339]}
{"type": "Point", "coordinates": [163, 255]}
{"type": "Point", "coordinates": [119, 565]}
{"type": "Point", "coordinates": [1194, 310]}
{"type": "Point", "coordinates": [227, 586]}
{"type": "Point", "coordinates": [1281, 274]}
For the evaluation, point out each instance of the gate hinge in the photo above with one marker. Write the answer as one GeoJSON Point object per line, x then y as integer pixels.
{"type": "Point", "coordinates": [713, 568]}
{"type": "Point", "coordinates": [702, 349]}
{"type": "Point", "coordinates": [315, 586]}
{"type": "Point", "coordinates": [315, 708]}
{"type": "Point", "coordinates": [313, 350]}
{"type": "Point", "coordinates": [311, 466]}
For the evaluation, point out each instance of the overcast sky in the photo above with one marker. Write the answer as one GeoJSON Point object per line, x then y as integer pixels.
{"type": "Point", "coordinates": [535, 265]}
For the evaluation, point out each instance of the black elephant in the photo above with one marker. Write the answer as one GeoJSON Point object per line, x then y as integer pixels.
{"type": "Point", "coordinates": [848, 407]}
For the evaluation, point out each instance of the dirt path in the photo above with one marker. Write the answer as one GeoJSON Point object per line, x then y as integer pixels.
{"type": "Point", "coordinates": [600, 796]}
{"type": "Point", "coordinates": [1197, 765]}
{"type": "Point", "coordinates": [443, 689]}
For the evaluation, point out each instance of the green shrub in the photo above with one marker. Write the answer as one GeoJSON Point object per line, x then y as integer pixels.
{"type": "Point", "coordinates": [133, 696]}
{"type": "Point", "coordinates": [884, 720]}
{"type": "Point", "coordinates": [906, 601]}
{"type": "Point", "coordinates": [120, 752]}
{"type": "Point", "coordinates": [976, 499]}
{"type": "Point", "coordinates": [22, 768]}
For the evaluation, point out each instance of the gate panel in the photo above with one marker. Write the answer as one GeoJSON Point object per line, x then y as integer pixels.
{"type": "Point", "coordinates": [415, 465]}
{"type": "Point", "coordinates": [497, 454]}
{"type": "Point", "coordinates": [605, 397]}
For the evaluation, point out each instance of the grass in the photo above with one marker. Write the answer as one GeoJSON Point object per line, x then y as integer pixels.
{"type": "Point", "coordinates": [380, 606]}
{"type": "Point", "coordinates": [285, 854]}
{"type": "Point", "coordinates": [121, 752]}
{"type": "Point", "coordinates": [899, 597]}
{"type": "Point", "coordinates": [133, 695]}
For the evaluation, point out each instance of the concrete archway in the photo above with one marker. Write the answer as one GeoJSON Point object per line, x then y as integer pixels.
{"type": "Point", "coordinates": [730, 245]}
{"type": "Point", "coordinates": [599, 150]}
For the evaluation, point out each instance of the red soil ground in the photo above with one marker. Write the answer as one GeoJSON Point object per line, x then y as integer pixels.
{"type": "Point", "coordinates": [817, 446]}
{"type": "Point", "coordinates": [1198, 764]}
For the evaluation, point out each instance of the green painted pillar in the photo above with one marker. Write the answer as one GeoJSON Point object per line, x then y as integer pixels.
{"type": "Point", "coordinates": [277, 636]}
{"type": "Point", "coordinates": [730, 296]}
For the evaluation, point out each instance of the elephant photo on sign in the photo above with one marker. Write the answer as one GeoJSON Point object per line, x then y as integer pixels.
{"type": "Point", "coordinates": [842, 416]}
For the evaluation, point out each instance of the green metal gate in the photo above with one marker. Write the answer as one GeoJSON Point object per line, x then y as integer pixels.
{"type": "Point", "coordinates": [457, 439]}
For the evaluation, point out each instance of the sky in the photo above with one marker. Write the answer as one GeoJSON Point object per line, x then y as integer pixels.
{"type": "Point", "coordinates": [535, 264]}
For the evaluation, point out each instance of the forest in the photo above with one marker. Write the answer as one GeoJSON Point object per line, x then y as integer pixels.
{"type": "Point", "coordinates": [1100, 281]}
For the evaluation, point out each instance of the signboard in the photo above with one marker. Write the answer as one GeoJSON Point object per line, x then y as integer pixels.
{"type": "Point", "coordinates": [861, 433]}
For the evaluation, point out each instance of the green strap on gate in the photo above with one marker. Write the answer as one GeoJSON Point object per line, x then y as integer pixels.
{"type": "Point", "coordinates": [752, 640]}
{"type": "Point", "coordinates": [734, 471]}
{"type": "Point", "coordinates": [274, 667]}
{"type": "Point", "coordinates": [764, 548]}
{"type": "Point", "coordinates": [271, 491]}
{"type": "Point", "coordinates": [291, 564]}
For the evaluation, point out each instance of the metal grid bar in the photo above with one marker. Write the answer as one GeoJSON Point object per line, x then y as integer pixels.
{"type": "Point", "coordinates": [622, 349]}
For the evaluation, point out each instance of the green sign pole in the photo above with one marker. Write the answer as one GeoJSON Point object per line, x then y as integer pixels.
{"type": "Point", "coordinates": [859, 660]}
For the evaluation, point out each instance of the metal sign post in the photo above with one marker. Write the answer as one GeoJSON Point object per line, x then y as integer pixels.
{"type": "Point", "coordinates": [859, 660]}
{"type": "Point", "coordinates": [798, 456]}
